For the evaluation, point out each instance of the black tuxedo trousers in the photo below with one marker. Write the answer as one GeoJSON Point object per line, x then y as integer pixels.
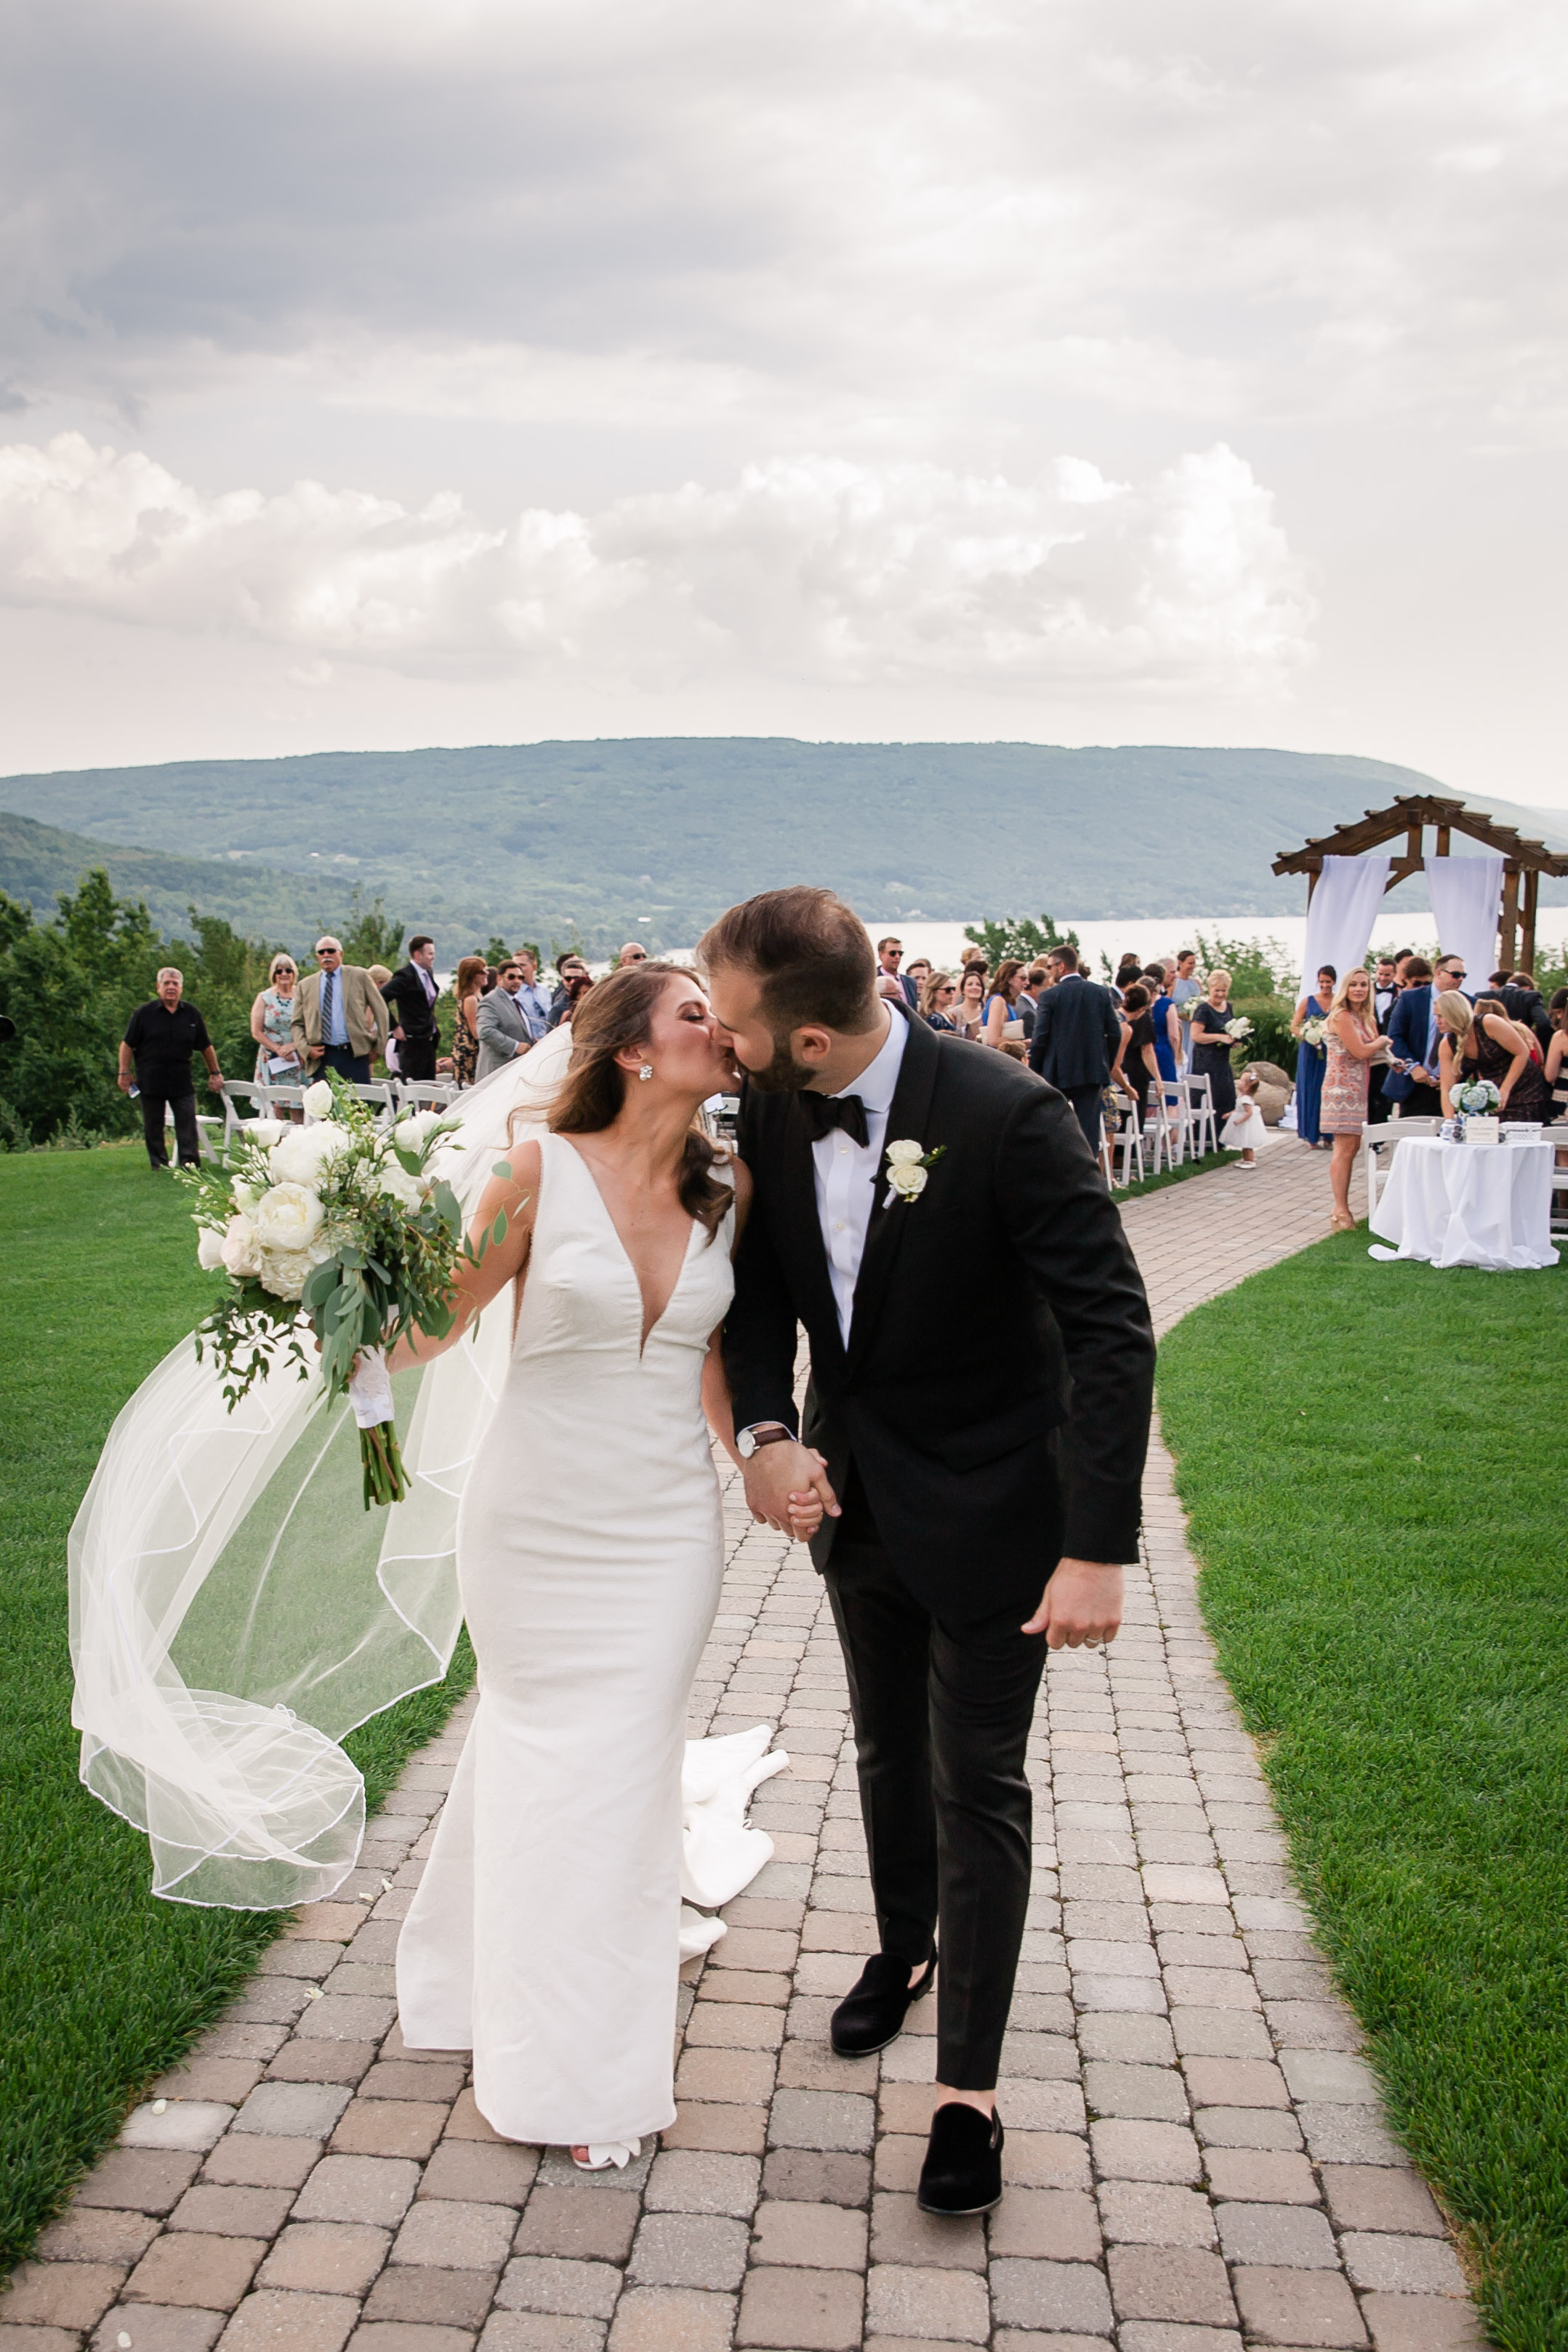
{"type": "Point", "coordinates": [989, 1413]}
{"type": "Point", "coordinates": [942, 1716]}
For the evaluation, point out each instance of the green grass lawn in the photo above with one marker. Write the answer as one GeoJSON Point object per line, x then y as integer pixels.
{"type": "Point", "coordinates": [101, 1986]}
{"type": "Point", "coordinates": [1369, 1457]}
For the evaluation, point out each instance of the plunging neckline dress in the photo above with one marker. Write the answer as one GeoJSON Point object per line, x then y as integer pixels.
{"type": "Point", "coordinates": [544, 1935]}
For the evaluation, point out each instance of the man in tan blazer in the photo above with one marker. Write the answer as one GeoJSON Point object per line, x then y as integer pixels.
{"type": "Point", "coordinates": [340, 1019]}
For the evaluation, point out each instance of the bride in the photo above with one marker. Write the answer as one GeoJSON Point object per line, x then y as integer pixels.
{"type": "Point", "coordinates": [544, 1935]}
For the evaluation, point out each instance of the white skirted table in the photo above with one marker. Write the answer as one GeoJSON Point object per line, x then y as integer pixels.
{"type": "Point", "coordinates": [1486, 1204]}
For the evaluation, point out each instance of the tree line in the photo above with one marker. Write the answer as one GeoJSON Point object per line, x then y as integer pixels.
{"type": "Point", "coordinates": [70, 984]}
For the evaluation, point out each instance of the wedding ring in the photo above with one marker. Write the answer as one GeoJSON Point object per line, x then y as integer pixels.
{"type": "Point", "coordinates": [1091, 1640]}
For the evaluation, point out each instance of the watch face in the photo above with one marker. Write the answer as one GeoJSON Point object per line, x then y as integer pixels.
{"type": "Point", "coordinates": [746, 1444]}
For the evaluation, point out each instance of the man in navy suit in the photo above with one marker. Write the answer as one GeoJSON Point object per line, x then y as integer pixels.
{"type": "Point", "coordinates": [889, 956]}
{"type": "Point", "coordinates": [1077, 1038]}
{"type": "Point", "coordinates": [1413, 1034]}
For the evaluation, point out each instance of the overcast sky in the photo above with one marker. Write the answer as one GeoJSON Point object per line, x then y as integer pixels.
{"type": "Point", "coordinates": [396, 372]}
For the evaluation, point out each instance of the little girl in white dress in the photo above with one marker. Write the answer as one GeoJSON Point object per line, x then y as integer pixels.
{"type": "Point", "coordinates": [1244, 1130]}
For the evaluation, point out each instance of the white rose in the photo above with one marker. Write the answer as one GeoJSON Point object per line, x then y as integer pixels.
{"type": "Point", "coordinates": [908, 1178]}
{"type": "Point", "coordinates": [240, 1251]}
{"type": "Point", "coordinates": [411, 1133]}
{"type": "Point", "coordinates": [286, 1218]}
{"type": "Point", "coordinates": [319, 1100]}
{"type": "Point", "coordinates": [267, 1132]}
{"type": "Point", "coordinates": [209, 1249]}
{"type": "Point", "coordinates": [904, 1154]}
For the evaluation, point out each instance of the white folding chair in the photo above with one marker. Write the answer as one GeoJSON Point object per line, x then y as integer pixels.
{"type": "Point", "coordinates": [1202, 1128]}
{"type": "Point", "coordinates": [1170, 1112]}
{"type": "Point", "coordinates": [424, 1094]}
{"type": "Point", "coordinates": [382, 1099]}
{"type": "Point", "coordinates": [1128, 1141]}
{"type": "Point", "coordinates": [238, 1090]}
{"type": "Point", "coordinates": [1386, 1138]}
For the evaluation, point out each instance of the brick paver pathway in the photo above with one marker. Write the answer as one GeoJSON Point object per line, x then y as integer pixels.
{"type": "Point", "coordinates": [1196, 2155]}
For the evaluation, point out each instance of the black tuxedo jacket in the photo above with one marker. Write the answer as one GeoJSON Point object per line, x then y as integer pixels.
{"type": "Point", "coordinates": [1000, 1348]}
{"type": "Point", "coordinates": [1077, 1035]}
{"type": "Point", "coordinates": [413, 1011]}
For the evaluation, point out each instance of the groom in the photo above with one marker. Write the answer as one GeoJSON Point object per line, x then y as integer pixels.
{"type": "Point", "coordinates": [982, 1368]}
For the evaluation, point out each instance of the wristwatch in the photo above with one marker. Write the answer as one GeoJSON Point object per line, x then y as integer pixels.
{"type": "Point", "coordinates": [761, 1432]}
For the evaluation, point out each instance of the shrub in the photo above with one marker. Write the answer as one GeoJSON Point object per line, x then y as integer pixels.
{"type": "Point", "coordinates": [1016, 935]}
{"type": "Point", "coordinates": [71, 984]}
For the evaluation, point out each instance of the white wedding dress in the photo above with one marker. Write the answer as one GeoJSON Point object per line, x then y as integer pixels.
{"type": "Point", "coordinates": [544, 1933]}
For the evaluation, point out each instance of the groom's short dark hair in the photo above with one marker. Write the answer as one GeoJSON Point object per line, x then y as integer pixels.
{"type": "Point", "coordinates": [810, 952]}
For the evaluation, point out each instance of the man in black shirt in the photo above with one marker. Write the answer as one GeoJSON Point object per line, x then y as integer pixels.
{"type": "Point", "coordinates": [155, 1054]}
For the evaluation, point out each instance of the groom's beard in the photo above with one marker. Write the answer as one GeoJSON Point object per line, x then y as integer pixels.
{"type": "Point", "coordinates": [783, 1075]}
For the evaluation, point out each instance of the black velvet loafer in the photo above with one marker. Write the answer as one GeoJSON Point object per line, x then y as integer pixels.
{"type": "Point", "coordinates": [872, 2014]}
{"type": "Point", "coordinates": [962, 2173]}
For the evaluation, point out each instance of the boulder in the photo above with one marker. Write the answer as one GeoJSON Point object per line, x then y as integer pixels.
{"type": "Point", "coordinates": [1273, 1089]}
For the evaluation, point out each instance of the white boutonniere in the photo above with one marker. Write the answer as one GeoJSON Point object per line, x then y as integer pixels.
{"type": "Point", "coordinates": [907, 1169]}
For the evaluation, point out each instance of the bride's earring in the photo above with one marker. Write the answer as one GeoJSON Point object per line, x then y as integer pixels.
{"type": "Point", "coordinates": [646, 1071]}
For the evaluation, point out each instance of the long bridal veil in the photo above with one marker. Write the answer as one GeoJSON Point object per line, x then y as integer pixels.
{"type": "Point", "coordinates": [235, 1611]}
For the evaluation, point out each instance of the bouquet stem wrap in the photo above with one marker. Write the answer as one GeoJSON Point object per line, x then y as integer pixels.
{"type": "Point", "coordinates": [371, 1395]}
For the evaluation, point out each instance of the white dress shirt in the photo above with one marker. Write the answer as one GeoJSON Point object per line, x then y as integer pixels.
{"type": "Point", "coordinates": [847, 1173]}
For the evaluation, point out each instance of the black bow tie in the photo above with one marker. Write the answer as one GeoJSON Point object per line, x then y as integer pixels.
{"type": "Point", "coordinates": [824, 1112]}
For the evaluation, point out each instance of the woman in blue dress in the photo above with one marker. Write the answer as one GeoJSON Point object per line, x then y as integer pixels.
{"type": "Point", "coordinates": [1310, 1059]}
{"type": "Point", "coordinates": [1162, 1012]}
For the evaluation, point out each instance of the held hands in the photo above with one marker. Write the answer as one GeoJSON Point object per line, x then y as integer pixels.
{"type": "Point", "coordinates": [787, 1488]}
{"type": "Point", "coordinates": [1082, 1605]}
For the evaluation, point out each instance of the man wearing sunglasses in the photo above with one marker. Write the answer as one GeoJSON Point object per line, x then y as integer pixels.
{"type": "Point", "coordinates": [340, 1020]}
{"type": "Point", "coordinates": [1411, 1079]}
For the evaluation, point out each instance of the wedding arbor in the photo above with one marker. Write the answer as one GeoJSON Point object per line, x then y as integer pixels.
{"type": "Point", "coordinates": [1522, 862]}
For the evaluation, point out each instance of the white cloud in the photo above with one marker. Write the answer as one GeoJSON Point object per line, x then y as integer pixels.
{"type": "Point", "coordinates": [808, 568]}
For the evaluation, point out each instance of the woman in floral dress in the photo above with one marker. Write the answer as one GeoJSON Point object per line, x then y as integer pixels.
{"type": "Point", "coordinates": [465, 988]}
{"type": "Point", "coordinates": [1351, 1044]}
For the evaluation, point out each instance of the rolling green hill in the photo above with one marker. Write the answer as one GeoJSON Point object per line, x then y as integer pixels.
{"type": "Point", "coordinates": [655, 835]}
{"type": "Point", "coordinates": [39, 861]}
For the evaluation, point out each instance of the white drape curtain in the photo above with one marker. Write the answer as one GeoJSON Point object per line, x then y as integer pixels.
{"type": "Point", "coordinates": [1467, 895]}
{"type": "Point", "coordinates": [1340, 920]}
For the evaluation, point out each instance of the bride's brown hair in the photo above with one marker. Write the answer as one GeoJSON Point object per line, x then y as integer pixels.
{"type": "Point", "coordinates": [617, 1012]}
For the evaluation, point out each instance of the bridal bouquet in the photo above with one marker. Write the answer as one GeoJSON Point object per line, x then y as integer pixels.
{"type": "Point", "coordinates": [1314, 1030]}
{"type": "Point", "coordinates": [1239, 1028]}
{"type": "Point", "coordinates": [340, 1226]}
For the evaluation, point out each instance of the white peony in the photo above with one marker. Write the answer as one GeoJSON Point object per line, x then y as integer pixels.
{"type": "Point", "coordinates": [398, 1185]}
{"type": "Point", "coordinates": [287, 1218]}
{"type": "Point", "coordinates": [266, 1131]}
{"type": "Point", "coordinates": [285, 1272]}
{"type": "Point", "coordinates": [908, 1178]}
{"type": "Point", "coordinates": [305, 1153]}
{"type": "Point", "coordinates": [209, 1249]}
{"type": "Point", "coordinates": [904, 1154]}
{"type": "Point", "coordinates": [241, 1251]}
{"type": "Point", "coordinates": [319, 1100]}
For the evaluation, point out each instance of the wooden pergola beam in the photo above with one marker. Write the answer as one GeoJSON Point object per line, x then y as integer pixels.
{"type": "Point", "coordinates": [1409, 814]}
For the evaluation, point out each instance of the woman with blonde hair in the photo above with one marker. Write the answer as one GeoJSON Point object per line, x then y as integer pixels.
{"type": "Point", "coordinates": [1479, 1040]}
{"type": "Point", "coordinates": [272, 1026]}
{"type": "Point", "coordinates": [1351, 1046]}
{"type": "Point", "coordinates": [1210, 1044]}
{"type": "Point", "coordinates": [938, 994]}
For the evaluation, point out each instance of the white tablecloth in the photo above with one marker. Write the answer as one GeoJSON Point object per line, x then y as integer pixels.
{"type": "Point", "coordinates": [1486, 1205]}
